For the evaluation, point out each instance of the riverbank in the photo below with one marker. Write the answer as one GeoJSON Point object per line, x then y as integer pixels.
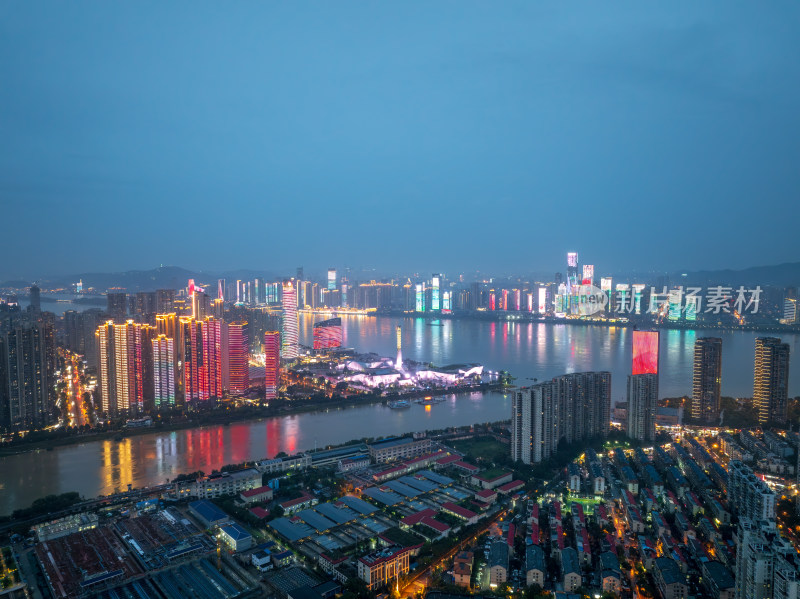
{"type": "Point", "coordinates": [224, 415]}
{"type": "Point", "coordinates": [643, 323]}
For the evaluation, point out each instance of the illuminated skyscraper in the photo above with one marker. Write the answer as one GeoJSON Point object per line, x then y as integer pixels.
{"type": "Point", "coordinates": [201, 304]}
{"type": "Point", "coordinates": [237, 363]}
{"type": "Point", "coordinates": [331, 279]}
{"type": "Point", "coordinates": [126, 367]}
{"type": "Point", "coordinates": [164, 372]}
{"type": "Point", "coordinates": [328, 334]}
{"type": "Point", "coordinates": [605, 287]}
{"type": "Point", "coordinates": [202, 358]}
{"type": "Point", "coordinates": [272, 364]}
{"type": "Point", "coordinates": [675, 304]}
{"type": "Point", "coordinates": [290, 331]}
{"type": "Point", "coordinates": [572, 271]}
{"type": "Point", "coordinates": [771, 380]}
{"type": "Point", "coordinates": [419, 303]}
{"type": "Point", "coordinates": [588, 274]}
{"type": "Point", "coordinates": [643, 386]}
{"type": "Point", "coordinates": [707, 379]}
{"type": "Point", "coordinates": [221, 289]}
{"type": "Point", "coordinates": [435, 292]}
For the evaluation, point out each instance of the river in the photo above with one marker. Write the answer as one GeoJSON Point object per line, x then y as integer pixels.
{"type": "Point", "coordinates": [526, 350]}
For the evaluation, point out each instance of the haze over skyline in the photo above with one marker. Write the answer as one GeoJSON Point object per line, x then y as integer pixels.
{"type": "Point", "coordinates": [403, 136]}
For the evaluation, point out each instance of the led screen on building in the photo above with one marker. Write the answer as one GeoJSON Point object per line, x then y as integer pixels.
{"type": "Point", "coordinates": [419, 304]}
{"type": "Point", "coordinates": [588, 274]}
{"type": "Point", "coordinates": [435, 293]}
{"type": "Point", "coordinates": [328, 333]}
{"type": "Point", "coordinates": [572, 259]}
{"type": "Point", "coordinates": [645, 352]}
{"type": "Point", "coordinates": [542, 300]}
{"type": "Point", "coordinates": [675, 303]}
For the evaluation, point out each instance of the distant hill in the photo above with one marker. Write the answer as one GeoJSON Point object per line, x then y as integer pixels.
{"type": "Point", "coordinates": [780, 275]}
{"type": "Point", "coordinates": [165, 277]}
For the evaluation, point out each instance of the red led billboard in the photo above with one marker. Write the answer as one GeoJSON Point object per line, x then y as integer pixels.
{"type": "Point", "coordinates": [645, 352]}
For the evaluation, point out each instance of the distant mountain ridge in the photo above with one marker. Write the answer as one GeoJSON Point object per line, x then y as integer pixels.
{"type": "Point", "coordinates": [175, 277]}
{"type": "Point", "coordinates": [164, 277]}
{"type": "Point", "coordinates": [778, 275]}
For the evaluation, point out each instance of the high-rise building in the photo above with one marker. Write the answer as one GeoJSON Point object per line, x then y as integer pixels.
{"type": "Point", "coordinates": [748, 495]}
{"type": "Point", "coordinates": [238, 363]}
{"type": "Point", "coordinates": [201, 305]}
{"type": "Point", "coordinates": [675, 304]}
{"type": "Point", "coordinates": [117, 306]}
{"type": "Point", "coordinates": [259, 291]}
{"type": "Point", "coordinates": [290, 332]}
{"type": "Point", "coordinates": [165, 301]}
{"type": "Point", "coordinates": [771, 380]}
{"type": "Point", "coordinates": [331, 279]}
{"type": "Point", "coordinates": [27, 396]}
{"type": "Point", "coordinates": [79, 329]}
{"type": "Point", "coordinates": [272, 364]}
{"type": "Point", "coordinates": [221, 289]}
{"type": "Point", "coordinates": [170, 326]}
{"type": "Point", "coordinates": [767, 564]}
{"type": "Point", "coordinates": [642, 406]}
{"type": "Point", "coordinates": [126, 367]}
{"type": "Point", "coordinates": [328, 334]}
{"type": "Point", "coordinates": [707, 379]}
{"type": "Point", "coordinates": [164, 373]}
{"type": "Point", "coordinates": [645, 352]}
{"type": "Point", "coordinates": [588, 274]}
{"type": "Point", "coordinates": [436, 281]}
{"type": "Point", "coordinates": [572, 271]}
{"type": "Point", "coordinates": [573, 407]}
{"type": "Point", "coordinates": [643, 386]}
{"type": "Point", "coordinates": [144, 306]}
{"type": "Point", "coordinates": [202, 358]}
{"type": "Point", "coordinates": [36, 299]}
{"type": "Point", "coordinates": [419, 297]}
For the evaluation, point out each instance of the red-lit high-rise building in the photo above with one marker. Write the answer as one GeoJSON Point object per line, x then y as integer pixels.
{"type": "Point", "coordinates": [202, 358]}
{"type": "Point", "coordinates": [328, 334]}
{"type": "Point", "coordinates": [272, 363]}
{"type": "Point", "coordinates": [238, 358]}
{"type": "Point", "coordinates": [643, 386]}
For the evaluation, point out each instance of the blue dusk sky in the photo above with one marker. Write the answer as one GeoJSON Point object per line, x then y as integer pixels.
{"type": "Point", "coordinates": [433, 136]}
